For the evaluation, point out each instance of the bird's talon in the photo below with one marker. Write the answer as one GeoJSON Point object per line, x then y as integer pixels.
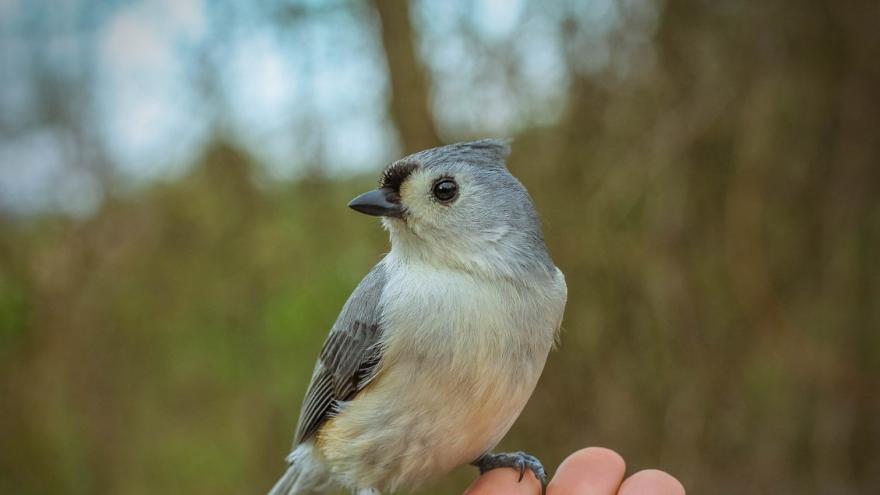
{"type": "Point", "coordinates": [517, 460]}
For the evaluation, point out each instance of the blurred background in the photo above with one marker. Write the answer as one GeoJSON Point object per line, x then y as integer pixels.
{"type": "Point", "coordinates": [175, 242]}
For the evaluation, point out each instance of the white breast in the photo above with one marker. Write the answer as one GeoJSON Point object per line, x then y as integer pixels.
{"type": "Point", "coordinates": [461, 358]}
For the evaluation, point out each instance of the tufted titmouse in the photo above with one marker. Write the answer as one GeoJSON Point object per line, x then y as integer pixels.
{"type": "Point", "coordinates": [440, 346]}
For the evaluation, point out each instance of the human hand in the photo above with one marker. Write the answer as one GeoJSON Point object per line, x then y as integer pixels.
{"type": "Point", "coordinates": [593, 471]}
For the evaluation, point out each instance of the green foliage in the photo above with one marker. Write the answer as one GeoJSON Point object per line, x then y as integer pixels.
{"type": "Point", "coordinates": [13, 313]}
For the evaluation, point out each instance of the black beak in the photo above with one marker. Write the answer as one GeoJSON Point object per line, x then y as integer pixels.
{"type": "Point", "coordinates": [383, 202]}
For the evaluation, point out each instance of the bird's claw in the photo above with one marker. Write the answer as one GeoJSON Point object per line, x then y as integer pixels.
{"type": "Point", "coordinates": [517, 460]}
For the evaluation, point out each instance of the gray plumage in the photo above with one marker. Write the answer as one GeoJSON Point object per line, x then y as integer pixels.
{"type": "Point", "coordinates": [438, 348]}
{"type": "Point", "coordinates": [348, 358]}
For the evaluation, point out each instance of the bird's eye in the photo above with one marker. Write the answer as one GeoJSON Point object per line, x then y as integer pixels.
{"type": "Point", "coordinates": [445, 190]}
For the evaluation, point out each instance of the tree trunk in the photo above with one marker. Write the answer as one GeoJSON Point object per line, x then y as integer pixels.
{"type": "Point", "coordinates": [410, 110]}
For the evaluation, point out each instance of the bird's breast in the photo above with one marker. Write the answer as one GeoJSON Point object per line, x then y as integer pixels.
{"type": "Point", "coordinates": [461, 358]}
{"type": "Point", "coordinates": [456, 320]}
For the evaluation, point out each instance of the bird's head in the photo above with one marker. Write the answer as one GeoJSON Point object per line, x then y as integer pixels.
{"type": "Point", "coordinates": [458, 206]}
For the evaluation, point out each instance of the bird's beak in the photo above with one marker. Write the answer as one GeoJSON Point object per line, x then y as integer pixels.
{"type": "Point", "coordinates": [383, 202]}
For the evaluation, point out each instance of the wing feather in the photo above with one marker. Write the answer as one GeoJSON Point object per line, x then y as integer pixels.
{"type": "Point", "coordinates": [349, 358]}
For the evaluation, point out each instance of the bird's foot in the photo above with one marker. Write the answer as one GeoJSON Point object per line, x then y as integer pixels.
{"type": "Point", "coordinates": [517, 460]}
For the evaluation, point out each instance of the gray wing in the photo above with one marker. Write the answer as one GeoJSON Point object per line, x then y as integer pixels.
{"type": "Point", "coordinates": [349, 357]}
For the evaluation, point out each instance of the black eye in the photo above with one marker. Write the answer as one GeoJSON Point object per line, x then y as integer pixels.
{"type": "Point", "coordinates": [445, 190]}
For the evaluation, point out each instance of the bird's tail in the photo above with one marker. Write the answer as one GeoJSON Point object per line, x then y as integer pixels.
{"type": "Point", "coordinates": [305, 473]}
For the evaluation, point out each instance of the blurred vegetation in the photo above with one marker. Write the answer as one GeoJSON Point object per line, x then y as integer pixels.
{"type": "Point", "coordinates": [717, 216]}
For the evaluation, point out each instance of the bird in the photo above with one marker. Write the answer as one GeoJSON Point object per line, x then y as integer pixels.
{"type": "Point", "coordinates": [438, 349]}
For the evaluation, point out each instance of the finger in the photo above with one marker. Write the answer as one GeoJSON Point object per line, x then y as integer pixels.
{"type": "Point", "coordinates": [505, 481]}
{"type": "Point", "coordinates": [651, 482]}
{"type": "Point", "coordinates": [592, 471]}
